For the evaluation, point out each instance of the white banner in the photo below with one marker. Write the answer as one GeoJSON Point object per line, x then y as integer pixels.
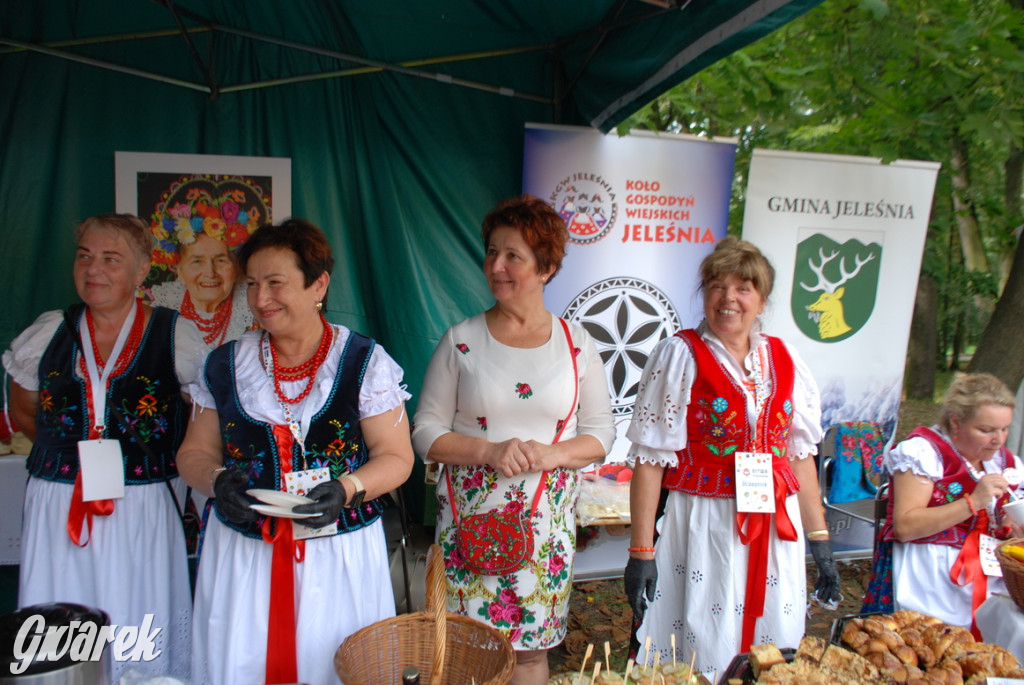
{"type": "Point", "coordinates": [845, 235]}
{"type": "Point", "coordinates": [642, 211]}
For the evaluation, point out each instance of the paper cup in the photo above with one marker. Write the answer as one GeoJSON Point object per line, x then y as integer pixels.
{"type": "Point", "coordinates": [1015, 510]}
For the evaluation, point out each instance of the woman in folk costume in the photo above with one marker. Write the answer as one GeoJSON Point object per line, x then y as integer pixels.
{"type": "Point", "coordinates": [514, 403]}
{"type": "Point", "coordinates": [80, 377]}
{"type": "Point", "coordinates": [712, 403]}
{"type": "Point", "coordinates": [302, 406]}
{"type": "Point", "coordinates": [949, 485]}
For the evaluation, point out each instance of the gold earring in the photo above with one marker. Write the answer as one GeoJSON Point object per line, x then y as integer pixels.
{"type": "Point", "coordinates": [319, 306]}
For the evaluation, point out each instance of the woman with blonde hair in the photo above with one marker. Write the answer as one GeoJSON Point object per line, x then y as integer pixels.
{"type": "Point", "coordinates": [949, 485]}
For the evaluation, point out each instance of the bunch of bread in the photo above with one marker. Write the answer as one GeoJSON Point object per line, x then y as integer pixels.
{"type": "Point", "coordinates": [815, 663]}
{"type": "Point", "coordinates": [914, 648]}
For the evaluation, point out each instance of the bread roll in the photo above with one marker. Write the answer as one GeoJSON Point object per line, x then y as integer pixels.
{"type": "Point", "coordinates": [763, 657]}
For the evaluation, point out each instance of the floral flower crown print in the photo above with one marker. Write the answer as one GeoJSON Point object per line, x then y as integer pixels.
{"type": "Point", "coordinates": [225, 208]}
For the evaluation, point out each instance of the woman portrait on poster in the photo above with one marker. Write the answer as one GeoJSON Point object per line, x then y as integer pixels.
{"type": "Point", "coordinates": [198, 226]}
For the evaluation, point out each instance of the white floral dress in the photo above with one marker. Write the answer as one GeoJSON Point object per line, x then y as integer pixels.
{"type": "Point", "coordinates": [477, 386]}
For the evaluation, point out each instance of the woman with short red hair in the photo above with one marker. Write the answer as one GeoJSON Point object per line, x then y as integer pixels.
{"type": "Point", "coordinates": [514, 403]}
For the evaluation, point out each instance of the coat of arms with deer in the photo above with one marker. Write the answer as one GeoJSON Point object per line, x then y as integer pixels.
{"type": "Point", "coordinates": [834, 286]}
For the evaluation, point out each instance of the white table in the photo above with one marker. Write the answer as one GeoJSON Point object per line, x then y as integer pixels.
{"type": "Point", "coordinates": [1001, 622]}
{"type": "Point", "coordinates": [13, 478]}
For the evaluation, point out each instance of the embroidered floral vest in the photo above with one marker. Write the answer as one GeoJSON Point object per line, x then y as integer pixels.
{"type": "Point", "coordinates": [147, 392]}
{"type": "Point", "coordinates": [716, 423]}
{"type": "Point", "coordinates": [334, 438]}
{"type": "Point", "coordinates": [956, 482]}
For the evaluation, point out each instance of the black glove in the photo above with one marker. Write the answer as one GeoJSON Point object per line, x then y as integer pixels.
{"type": "Point", "coordinates": [329, 499]}
{"type": "Point", "coordinates": [229, 492]}
{"type": "Point", "coordinates": [826, 590]}
{"type": "Point", "coordinates": [640, 577]}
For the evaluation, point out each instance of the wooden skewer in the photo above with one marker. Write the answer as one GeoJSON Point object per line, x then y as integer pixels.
{"type": "Point", "coordinates": [607, 655]}
{"type": "Point", "coordinates": [586, 658]}
{"type": "Point", "coordinates": [629, 669]}
{"type": "Point", "coordinates": [647, 650]}
{"type": "Point", "coordinates": [657, 660]}
{"type": "Point", "coordinates": [673, 641]}
{"type": "Point", "coordinates": [597, 669]}
{"type": "Point", "coordinates": [693, 657]}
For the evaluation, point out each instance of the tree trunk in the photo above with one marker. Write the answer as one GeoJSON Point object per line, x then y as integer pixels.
{"type": "Point", "coordinates": [1000, 351]}
{"type": "Point", "coordinates": [923, 341]}
{"type": "Point", "coordinates": [1013, 182]}
{"type": "Point", "coordinates": [971, 244]}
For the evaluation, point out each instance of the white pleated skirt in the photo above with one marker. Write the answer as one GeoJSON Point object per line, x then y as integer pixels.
{"type": "Point", "coordinates": [135, 564]}
{"type": "Point", "coordinates": [702, 576]}
{"type": "Point", "coordinates": [343, 584]}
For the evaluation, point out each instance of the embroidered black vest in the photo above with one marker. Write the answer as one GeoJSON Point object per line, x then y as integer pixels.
{"type": "Point", "coordinates": [334, 438]}
{"type": "Point", "coordinates": [147, 393]}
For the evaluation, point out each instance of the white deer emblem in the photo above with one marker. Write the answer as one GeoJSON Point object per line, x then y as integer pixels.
{"type": "Point", "coordinates": [827, 310]}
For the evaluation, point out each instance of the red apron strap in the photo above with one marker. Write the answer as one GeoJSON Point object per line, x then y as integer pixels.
{"type": "Point", "coordinates": [758, 537]}
{"type": "Point", "coordinates": [281, 650]}
{"type": "Point", "coordinates": [967, 567]}
{"type": "Point", "coordinates": [84, 511]}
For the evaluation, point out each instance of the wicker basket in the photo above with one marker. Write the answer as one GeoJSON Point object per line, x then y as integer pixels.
{"type": "Point", "coordinates": [446, 648]}
{"type": "Point", "coordinates": [1013, 571]}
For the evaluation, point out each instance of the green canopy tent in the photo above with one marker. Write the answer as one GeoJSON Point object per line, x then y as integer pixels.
{"type": "Point", "coordinates": [403, 120]}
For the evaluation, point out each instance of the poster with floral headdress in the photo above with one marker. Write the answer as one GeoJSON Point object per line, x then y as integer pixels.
{"type": "Point", "coordinates": [201, 209]}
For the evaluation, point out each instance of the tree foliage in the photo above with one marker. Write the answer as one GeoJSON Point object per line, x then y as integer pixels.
{"type": "Point", "coordinates": [939, 80]}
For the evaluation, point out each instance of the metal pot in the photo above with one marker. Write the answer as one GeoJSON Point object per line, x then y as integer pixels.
{"type": "Point", "coordinates": [31, 661]}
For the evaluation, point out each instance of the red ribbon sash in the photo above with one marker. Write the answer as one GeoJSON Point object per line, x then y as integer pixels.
{"type": "Point", "coordinates": [84, 511]}
{"type": "Point", "coordinates": [281, 650]}
{"type": "Point", "coordinates": [758, 537]}
{"type": "Point", "coordinates": [968, 567]}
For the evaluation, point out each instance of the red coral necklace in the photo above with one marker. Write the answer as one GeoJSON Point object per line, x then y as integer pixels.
{"type": "Point", "coordinates": [305, 371]}
{"type": "Point", "coordinates": [213, 329]}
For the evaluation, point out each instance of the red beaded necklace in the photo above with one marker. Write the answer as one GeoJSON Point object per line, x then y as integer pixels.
{"type": "Point", "coordinates": [131, 345]}
{"type": "Point", "coordinates": [305, 371]}
{"type": "Point", "coordinates": [215, 328]}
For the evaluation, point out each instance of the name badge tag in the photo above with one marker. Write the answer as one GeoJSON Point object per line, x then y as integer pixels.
{"type": "Point", "coordinates": [755, 483]}
{"type": "Point", "coordinates": [102, 468]}
{"type": "Point", "coordinates": [300, 483]}
{"type": "Point", "coordinates": [989, 562]}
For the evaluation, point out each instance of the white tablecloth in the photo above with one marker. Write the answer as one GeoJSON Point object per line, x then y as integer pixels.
{"type": "Point", "coordinates": [1001, 622]}
{"type": "Point", "coordinates": [13, 477]}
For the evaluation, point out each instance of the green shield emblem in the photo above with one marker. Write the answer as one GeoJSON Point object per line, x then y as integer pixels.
{"type": "Point", "coordinates": [834, 286]}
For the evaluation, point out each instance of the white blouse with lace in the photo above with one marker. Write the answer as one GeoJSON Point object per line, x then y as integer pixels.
{"type": "Point", "coordinates": [658, 427]}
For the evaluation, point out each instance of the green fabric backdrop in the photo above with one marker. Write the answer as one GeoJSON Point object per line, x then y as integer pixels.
{"type": "Point", "coordinates": [398, 170]}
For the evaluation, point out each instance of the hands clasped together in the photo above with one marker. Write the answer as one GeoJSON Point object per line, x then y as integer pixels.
{"type": "Point", "coordinates": [516, 456]}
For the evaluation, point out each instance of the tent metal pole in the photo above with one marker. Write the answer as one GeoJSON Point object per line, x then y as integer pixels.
{"type": "Point", "coordinates": [210, 80]}
{"type": "Point", "coordinates": [371, 64]}
{"type": "Point", "coordinates": [112, 38]}
{"type": "Point", "coordinates": [61, 54]}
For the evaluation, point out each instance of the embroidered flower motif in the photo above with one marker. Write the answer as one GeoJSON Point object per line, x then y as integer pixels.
{"type": "Point", "coordinates": [146, 406]}
{"type": "Point", "coordinates": [46, 400]}
{"type": "Point", "coordinates": [463, 348]}
{"type": "Point", "coordinates": [955, 488]}
{"type": "Point", "coordinates": [719, 404]}
{"type": "Point", "coordinates": [717, 431]}
{"type": "Point", "coordinates": [524, 390]}
{"type": "Point", "coordinates": [787, 407]}
{"type": "Point", "coordinates": [482, 421]}
{"type": "Point", "coordinates": [558, 426]}
{"type": "Point", "coordinates": [335, 447]}
{"type": "Point", "coordinates": [576, 351]}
